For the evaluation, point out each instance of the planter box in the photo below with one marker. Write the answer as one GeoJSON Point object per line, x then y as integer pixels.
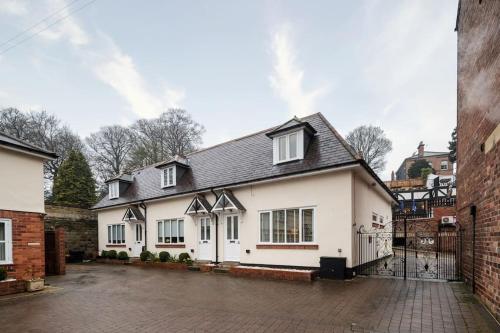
{"type": "Point", "coordinates": [111, 261]}
{"type": "Point", "coordinates": [273, 273]}
{"type": "Point", "coordinates": [11, 286]}
{"type": "Point", "coordinates": [35, 285]}
{"type": "Point", "coordinates": [164, 265]}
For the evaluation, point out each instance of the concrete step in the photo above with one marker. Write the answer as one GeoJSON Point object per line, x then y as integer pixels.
{"type": "Point", "coordinates": [221, 270]}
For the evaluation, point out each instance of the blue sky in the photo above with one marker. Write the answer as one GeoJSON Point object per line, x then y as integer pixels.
{"type": "Point", "coordinates": [238, 66]}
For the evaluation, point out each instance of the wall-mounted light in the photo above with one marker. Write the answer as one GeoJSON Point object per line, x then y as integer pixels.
{"type": "Point", "coordinates": [339, 251]}
{"type": "Point", "coordinates": [247, 251]}
{"type": "Point", "coordinates": [192, 250]}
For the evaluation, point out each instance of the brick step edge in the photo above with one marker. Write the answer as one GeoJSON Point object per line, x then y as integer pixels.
{"type": "Point", "coordinates": [273, 274]}
{"type": "Point", "coordinates": [12, 287]}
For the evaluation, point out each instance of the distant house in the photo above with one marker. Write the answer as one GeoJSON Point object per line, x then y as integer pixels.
{"type": "Point", "coordinates": [439, 161]}
{"type": "Point", "coordinates": [281, 197]}
{"type": "Point", "coordinates": [22, 208]}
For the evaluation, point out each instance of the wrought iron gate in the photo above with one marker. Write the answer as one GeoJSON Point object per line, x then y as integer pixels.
{"type": "Point", "coordinates": [410, 253]}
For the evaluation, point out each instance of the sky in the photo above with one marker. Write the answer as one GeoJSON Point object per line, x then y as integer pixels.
{"type": "Point", "coordinates": [237, 66]}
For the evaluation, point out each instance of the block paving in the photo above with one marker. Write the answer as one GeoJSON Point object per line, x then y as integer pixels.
{"type": "Point", "coordinates": [121, 298]}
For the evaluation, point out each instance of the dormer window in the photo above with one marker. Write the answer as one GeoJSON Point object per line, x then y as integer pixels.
{"type": "Point", "coordinates": [168, 177]}
{"type": "Point", "coordinates": [288, 147]}
{"type": "Point", "coordinates": [291, 140]}
{"type": "Point", "coordinates": [114, 190]}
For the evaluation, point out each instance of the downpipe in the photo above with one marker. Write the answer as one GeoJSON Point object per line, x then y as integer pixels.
{"type": "Point", "coordinates": [143, 206]}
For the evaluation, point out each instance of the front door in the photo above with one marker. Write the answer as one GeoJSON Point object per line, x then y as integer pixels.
{"type": "Point", "coordinates": [138, 240]}
{"type": "Point", "coordinates": [232, 239]}
{"type": "Point", "coordinates": [204, 243]}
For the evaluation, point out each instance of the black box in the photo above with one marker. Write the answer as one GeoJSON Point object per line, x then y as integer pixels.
{"type": "Point", "coordinates": [332, 268]}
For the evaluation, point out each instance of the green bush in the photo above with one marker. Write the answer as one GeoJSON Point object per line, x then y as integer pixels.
{"type": "Point", "coordinates": [3, 274]}
{"type": "Point", "coordinates": [122, 255]}
{"type": "Point", "coordinates": [184, 257]}
{"type": "Point", "coordinates": [104, 254]}
{"type": "Point", "coordinates": [146, 255]}
{"type": "Point", "coordinates": [164, 256]}
{"type": "Point", "coordinates": [112, 254]}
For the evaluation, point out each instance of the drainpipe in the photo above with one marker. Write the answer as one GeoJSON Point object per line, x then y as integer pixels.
{"type": "Point", "coordinates": [473, 211]}
{"type": "Point", "coordinates": [216, 231]}
{"type": "Point", "coordinates": [143, 206]}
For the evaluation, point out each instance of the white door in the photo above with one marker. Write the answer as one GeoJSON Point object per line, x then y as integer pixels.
{"type": "Point", "coordinates": [232, 238]}
{"type": "Point", "coordinates": [138, 240]}
{"type": "Point", "coordinates": [204, 243]}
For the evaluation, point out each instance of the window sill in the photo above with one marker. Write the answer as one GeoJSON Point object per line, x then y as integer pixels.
{"type": "Point", "coordinates": [171, 246]}
{"type": "Point", "coordinates": [288, 246]}
{"type": "Point", "coordinates": [116, 245]}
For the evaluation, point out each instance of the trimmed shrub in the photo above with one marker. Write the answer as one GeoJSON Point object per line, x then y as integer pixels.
{"type": "Point", "coordinates": [164, 256]}
{"type": "Point", "coordinates": [104, 254]}
{"type": "Point", "coordinates": [122, 255]}
{"type": "Point", "coordinates": [3, 274]}
{"type": "Point", "coordinates": [184, 257]}
{"type": "Point", "coordinates": [112, 254]}
{"type": "Point", "coordinates": [146, 255]}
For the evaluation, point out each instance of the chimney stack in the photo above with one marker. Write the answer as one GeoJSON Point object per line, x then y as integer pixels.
{"type": "Point", "coordinates": [393, 176]}
{"type": "Point", "coordinates": [421, 149]}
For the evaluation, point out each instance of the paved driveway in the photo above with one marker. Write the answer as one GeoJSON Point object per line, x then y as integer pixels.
{"type": "Point", "coordinates": [101, 298]}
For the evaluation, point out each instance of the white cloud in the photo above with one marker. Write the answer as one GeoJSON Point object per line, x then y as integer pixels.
{"type": "Point", "coordinates": [13, 7]}
{"type": "Point", "coordinates": [287, 76]}
{"type": "Point", "coordinates": [117, 69]}
{"type": "Point", "coordinates": [68, 28]}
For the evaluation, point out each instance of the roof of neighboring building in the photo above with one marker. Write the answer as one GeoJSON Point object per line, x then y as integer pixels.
{"type": "Point", "coordinates": [240, 161]}
{"type": "Point", "coordinates": [17, 144]}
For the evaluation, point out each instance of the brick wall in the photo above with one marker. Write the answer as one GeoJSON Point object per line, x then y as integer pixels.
{"type": "Point", "coordinates": [60, 252]}
{"type": "Point", "coordinates": [28, 244]}
{"type": "Point", "coordinates": [80, 228]}
{"type": "Point", "coordinates": [478, 170]}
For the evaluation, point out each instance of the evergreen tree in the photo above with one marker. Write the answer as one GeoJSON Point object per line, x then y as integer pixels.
{"type": "Point", "coordinates": [74, 184]}
{"type": "Point", "coordinates": [452, 146]}
{"type": "Point", "coordinates": [415, 170]}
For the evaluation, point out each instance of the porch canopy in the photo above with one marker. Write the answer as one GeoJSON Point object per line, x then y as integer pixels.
{"type": "Point", "coordinates": [133, 214]}
{"type": "Point", "coordinates": [199, 205]}
{"type": "Point", "coordinates": [227, 201]}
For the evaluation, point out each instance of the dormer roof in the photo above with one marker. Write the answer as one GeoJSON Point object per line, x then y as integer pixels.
{"type": "Point", "coordinates": [294, 123]}
{"type": "Point", "coordinates": [176, 160]}
{"type": "Point", "coordinates": [123, 177]}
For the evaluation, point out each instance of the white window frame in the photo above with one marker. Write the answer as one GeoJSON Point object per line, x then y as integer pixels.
{"type": "Point", "coordinates": [165, 176]}
{"type": "Point", "coordinates": [163, 237]}
{"type": "Point", "coordinates": [300, 242]}
{"type": "Point", "coordinates": [299, 144]}
{"type": "Point", "coordinates": [445, 165]}
{"type": "Point", "coordinates": [114, 190]}
{"type": "Point", "coordinates": [8, 242]}
{"type": "Point", "coordinates": [119, 237]}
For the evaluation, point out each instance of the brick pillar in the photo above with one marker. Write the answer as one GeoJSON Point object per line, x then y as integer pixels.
{"type": "Point", "coordinates": [60, 252]}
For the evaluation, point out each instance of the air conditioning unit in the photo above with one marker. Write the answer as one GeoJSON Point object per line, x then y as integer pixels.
{"type": "Point", "coordinates": [448, 220]}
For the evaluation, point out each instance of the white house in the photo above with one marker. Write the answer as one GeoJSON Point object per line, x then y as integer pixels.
{"type": "Point", "coordinates": [285, 196]}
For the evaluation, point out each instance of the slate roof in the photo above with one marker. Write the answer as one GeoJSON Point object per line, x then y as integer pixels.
{"type": "Point", "coordinates": [239, 161]}
{"type": "Point", "coordinates": [12, 142]}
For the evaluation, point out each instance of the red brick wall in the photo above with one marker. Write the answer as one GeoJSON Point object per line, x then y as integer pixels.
{"type": "Point", "coordinates": [478, 172]}
{"type": "Point", "coordinates": [28, 244]}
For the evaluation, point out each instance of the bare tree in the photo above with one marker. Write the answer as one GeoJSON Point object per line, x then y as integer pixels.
{"type": "Point", "coordinates": [173, 133]}
{"type": "Point", "coordinates": [109, 150]}
{"type": "Point", "coordinates": [43, 130]}
{"type": "Point", "coordinates": [371, 144]}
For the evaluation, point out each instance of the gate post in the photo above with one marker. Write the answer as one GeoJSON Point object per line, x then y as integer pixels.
{"type": "Point", "coordinates": [405, 236]}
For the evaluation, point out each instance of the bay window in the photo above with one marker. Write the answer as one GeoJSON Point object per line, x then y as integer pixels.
{"type": "Point", "coordinates": [116, 234]}
{"type": "Point", "coordinates": [287, 226]}
{"type": "Point", "coordinates": [171, 231]}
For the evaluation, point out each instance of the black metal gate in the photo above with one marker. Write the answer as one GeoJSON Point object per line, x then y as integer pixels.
{"type": "Point", "coordinates": [409, 252]}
